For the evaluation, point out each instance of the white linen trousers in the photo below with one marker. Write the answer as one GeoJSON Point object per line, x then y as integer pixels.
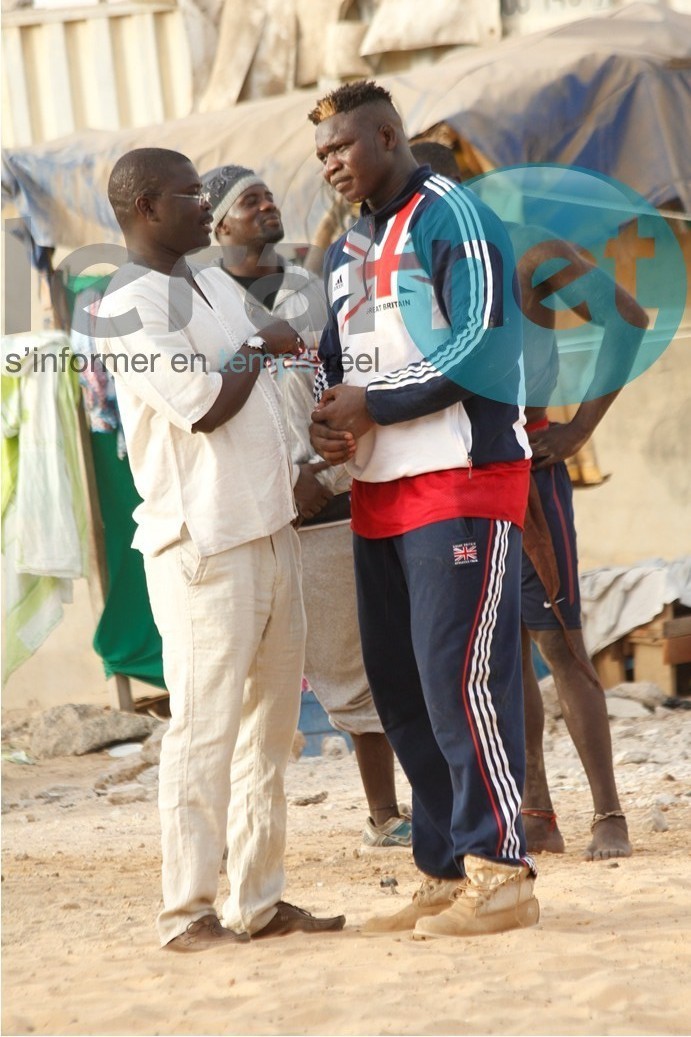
{"type": "Point", "coordinates": [233, 631]}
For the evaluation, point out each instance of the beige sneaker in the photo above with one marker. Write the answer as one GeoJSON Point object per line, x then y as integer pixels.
{"type": "Point", "coordinates": [433, 896]}
{"type": "Point", "coordinates": [492, 899]}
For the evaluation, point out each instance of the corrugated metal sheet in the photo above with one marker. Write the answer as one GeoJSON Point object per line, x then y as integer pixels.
{"type": "Point", "coordinates": [105, 67]}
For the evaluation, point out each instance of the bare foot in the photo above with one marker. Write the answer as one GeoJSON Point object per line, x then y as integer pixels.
{"type": "Point", "coordinates": [610, 839]}
{"type": "Point", "coordinates": [541, 832]}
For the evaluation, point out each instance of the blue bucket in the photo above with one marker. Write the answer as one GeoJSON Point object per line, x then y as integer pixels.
{"type": "Point", "coordinates": [314, 724]}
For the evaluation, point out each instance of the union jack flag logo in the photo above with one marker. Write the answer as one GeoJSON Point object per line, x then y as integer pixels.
{"type": "Point", "coordinates": [463, 554]}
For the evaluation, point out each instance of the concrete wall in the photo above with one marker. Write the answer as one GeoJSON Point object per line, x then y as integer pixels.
{"type": "Point", "coordinates": [65, 668]}
{"type": "Point", "coordinates": [644, 444]}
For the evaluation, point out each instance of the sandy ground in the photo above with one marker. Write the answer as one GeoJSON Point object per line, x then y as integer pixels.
{"type": "Point", "coordinates": [611, 954]}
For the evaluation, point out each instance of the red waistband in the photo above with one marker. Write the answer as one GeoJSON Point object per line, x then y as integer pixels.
{"type": "Point", "coordinates": [533, 426]}
{"type": "Point", "coordinates": [389, 509]}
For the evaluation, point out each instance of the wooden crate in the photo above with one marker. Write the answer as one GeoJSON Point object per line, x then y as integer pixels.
{"type": "Point", "coordinates": [649, 665]}
{"type": "Point", "coordinates": [655, 629]}
{"type": "Point", "coordinates": [610, 665]}
{"type": "Point", "coordinates": [660, 649]}
{"type": "Point", "coordinates": [677, 640]}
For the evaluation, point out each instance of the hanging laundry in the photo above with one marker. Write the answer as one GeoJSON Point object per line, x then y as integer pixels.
{"type": "Point", "coordinates": [44, 517]}
{"type": "Point", "coordinates": [97, 383]}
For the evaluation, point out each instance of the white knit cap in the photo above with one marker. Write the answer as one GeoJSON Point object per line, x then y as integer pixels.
{"type": "Point", "coordinates": [225, 184]}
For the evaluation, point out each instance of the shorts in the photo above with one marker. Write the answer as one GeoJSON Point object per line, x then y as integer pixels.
{"type": "Point", "coordinates": [333, 655]}
{"type": "Point", "coordinates": [556, 494]}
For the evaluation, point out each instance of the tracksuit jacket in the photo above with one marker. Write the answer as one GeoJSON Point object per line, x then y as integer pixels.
{"type": "Point", "coordinates": [424, 314]}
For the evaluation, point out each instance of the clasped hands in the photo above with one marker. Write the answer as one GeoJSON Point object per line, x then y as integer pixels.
{"type": "Point", "coordinates": [339, 419]}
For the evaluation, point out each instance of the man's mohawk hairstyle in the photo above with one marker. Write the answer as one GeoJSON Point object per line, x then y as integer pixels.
{"type": "Point", "coordinates": [347, 98]}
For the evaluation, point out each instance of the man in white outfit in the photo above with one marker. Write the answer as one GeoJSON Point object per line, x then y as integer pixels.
{"type": "Point", "coordinates": [207, 447]}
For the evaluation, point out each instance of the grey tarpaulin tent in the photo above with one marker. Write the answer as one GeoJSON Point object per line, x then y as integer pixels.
{"type": "Point", "coordinates": [611, 93]}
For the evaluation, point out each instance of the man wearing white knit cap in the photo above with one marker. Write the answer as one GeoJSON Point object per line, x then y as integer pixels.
{"type": "Point", "coordinates": [224, 186]}
{"type": "Point", "coordinates": [247, 224]}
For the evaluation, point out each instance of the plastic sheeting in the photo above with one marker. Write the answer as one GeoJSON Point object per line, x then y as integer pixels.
{"type": "Point", "coordinates": [610, 94]}
{"type": "Point", "coordinates": [616, 600]}
{"type": "Point", "coordinates": [400, 25]}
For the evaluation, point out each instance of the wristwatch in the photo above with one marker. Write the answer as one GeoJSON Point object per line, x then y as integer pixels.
{"type": "Point", "coordinates": [256, 342]}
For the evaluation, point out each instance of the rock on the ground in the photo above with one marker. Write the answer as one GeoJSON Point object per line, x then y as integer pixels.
{"type": "Point", "coordinates": [308, 801]}
{"type": "Point", "coordinates": [73, 730]}
{"type": "Point", "coordinates": [645, 692]}
{"type": "Point", "coordinates": [658, 820]}
{"type": "Point", "coordinates": [127, 794]}
{"type": "Point", "coordinates": [618, 708]}
{"type": "Point", "coordinates": [17, 732]}
{"type": "Point", "coordinates": [122, 773]}
{"type": "Point", "coordinates": [334, 746]}
{"type": "Point", "coordinates": [148, 777]}
{"type": "Point", "coordinates": [59, 792]}
{"type": "Point", "coordinates": [151, 749]}
{"type": "Point", "coordinates": [632, 756]}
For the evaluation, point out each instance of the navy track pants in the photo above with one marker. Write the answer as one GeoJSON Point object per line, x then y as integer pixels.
{"type": "Point", "coordinates": [439, 613]}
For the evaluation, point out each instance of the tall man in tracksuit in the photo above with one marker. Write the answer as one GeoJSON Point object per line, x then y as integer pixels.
{"type": "Point", "coordinates": [421, 378]}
